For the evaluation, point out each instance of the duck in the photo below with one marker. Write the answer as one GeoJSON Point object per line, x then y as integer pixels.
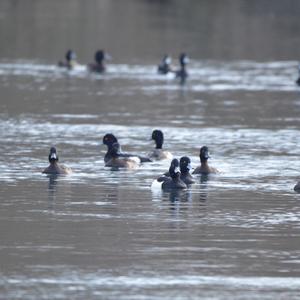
{"type": "Point", "coordinates": [182, 74]}
{"type": "Point", "coordinates": [55, 168]}
{"type": "Point", "coordinates": [298, 80]}
{"type": "Point", "coordinates": [185, 167]}
{"type": "Point", "coordinates": [173, 181]}
{"type": "Point", "coordinates": [117, 161]}
{"type": "Point", "coordinates": [158, 153]}
{"type": "Point", "coordinates": [98, 66]}
{"type": "Point", "coordinates": [70, 62]}
{"type": "Point", "coordinates": [165, 66]}
{"type": "Point", "coordinates": [109, 139]}
{"type": "Point", "coordinates": [204, 168]}
{"type": "Point", "coordinates": [297, 187]}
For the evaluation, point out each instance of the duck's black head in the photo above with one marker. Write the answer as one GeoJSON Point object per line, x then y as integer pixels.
{"type": "Point", "coordinates": [109, 139]}
{"type": "Point", "coordinates": [70, 55]}
{"type": "Point", "coordinates": [158, 137]}
{"type": "Point", "coordinates": [53, 157]}
{"type": "Point", "coordinates": [174, 169]}
{"type": "Point", "coordinates": [204, 154]}
{"type": "Point", "coordinates": [99, 56]}
{"type": "Point", "coordinates": [183, 59]}
{"type": "Point", "coordinates": [185, 164]}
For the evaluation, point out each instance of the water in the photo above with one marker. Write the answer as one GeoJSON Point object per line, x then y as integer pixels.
{"type": "Point", "coordinates": [102, 234]}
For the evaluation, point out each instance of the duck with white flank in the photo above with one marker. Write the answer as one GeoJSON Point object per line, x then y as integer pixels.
{"type": "Point", "coordinates": [158, 153]}
{"type": "Point", "coordinates": [109, 139]}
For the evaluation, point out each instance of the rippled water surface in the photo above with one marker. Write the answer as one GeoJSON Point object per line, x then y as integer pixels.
{"type": "Point", "coordinates": [104, 234]}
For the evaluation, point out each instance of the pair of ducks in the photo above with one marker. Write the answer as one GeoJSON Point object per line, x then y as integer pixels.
{"type": "Point", "coordinates": [165, 66]}
{"type": "Point", "coordinates": [178, 176]}
{"type": "Point", "coordinates": [98, 66]}
{"type": "Point", "coordinates": [115, 158]}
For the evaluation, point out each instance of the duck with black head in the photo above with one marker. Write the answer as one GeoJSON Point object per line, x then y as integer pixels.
{"type": "Point", "coordinates": [116, 161]}
{"type": "Point", "coordinates": [171, 179]}
{"type": "Point", "coordinates": [109, 139]}
{"type": "Point", "coordinates": [204, 168]}
{"type": "Point", "coordinates": [297, 187]}
{"type": "Point", "coordinates": [174, 181]}
{"type": "Point", "coordinates": [185, 167]}
{"type": "Point", "coordinates": [182, 73]}
{"type": "Point", "coordinates": [298, 80]}
{"type": "Point", "coordinates": [55, 168]}
{"type": "Point", "coordinates": [158, 153]}
{"type": "Point", "coordinates": [99, 65]}
{"type": "Point", "coordinates": [165, 66]}
{"type": "Point", "coordinates": [70, 62]}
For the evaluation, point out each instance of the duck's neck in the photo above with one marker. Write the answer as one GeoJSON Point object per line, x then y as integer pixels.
{"type": "Point", "coordinates": [204, 163]}
{"type": "Point", "coordinates": [158, 145]}
{"type": "Point", "coordinates": [184, 172]}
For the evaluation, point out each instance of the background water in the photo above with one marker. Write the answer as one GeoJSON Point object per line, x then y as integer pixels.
{"type": "Point", "coordinates": [100, 234]}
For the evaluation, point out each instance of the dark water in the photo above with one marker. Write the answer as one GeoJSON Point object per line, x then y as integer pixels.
{"type": "Point", "coordinates": [102, 234]}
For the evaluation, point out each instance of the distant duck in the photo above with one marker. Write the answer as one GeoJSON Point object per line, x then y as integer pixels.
{"type": "Point", "coordinates": [158, 153]}
{"type": "Point", "coordinates": [172, 181]}
{"type": "Point", "coordinates": [298, 80]}
{"type": "Point", "coordinates": [204, 168]}
{"type": "Point", "coordinates": [165, 66]}
{"type": "Point", "coordinates": [185, 167]}
{"type": "Point", "coordinates": [99, 65]}
{"type": "Point", "coordinates": [118, 161]}
{"type": "Point", "coordinates": [70, 62]}
{"type": "Point", "coordinates": [109, 139]}
{"type": "Point", "coordinates": [182, 73]}
{"type": "Point", "coordinates": [297, 187]}
{"type": "Point", "coordinates": [55, 168]}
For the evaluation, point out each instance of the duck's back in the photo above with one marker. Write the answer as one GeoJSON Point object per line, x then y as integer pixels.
{"type": "Point", "coordinates": [57, 169]}
{"type": "Point", "coordinates": [125, 162]}
{"type": "Point", "coordinates": [159, 154]}
{"type": "Point", "coordinates": [173, 184]}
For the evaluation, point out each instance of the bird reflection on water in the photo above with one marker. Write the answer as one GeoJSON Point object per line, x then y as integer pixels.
{"type": "Point", "coordinates": [52, 189]}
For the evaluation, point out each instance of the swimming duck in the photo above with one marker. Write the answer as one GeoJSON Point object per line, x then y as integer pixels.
{"type": "Point", "coordinates": [182, 73]}
{"type": "Point", "coordinates": [99, 66]}
{"type": "Point", "coordinates": [109, 139]}
{"type": "Point", "coordinates": [174, 181]}
{"type": "Point", "coordinates": [55, 168]}
{"type": "Point", "coordinates": [298, 80]}
{"type": "Point", "coordinates": [185, 167]}
{"type": "Point", "coordinates": [70, 62]}
{"type": "Point", "coordinates": [158, 153]}
{"type": "Point", "coordinates": [165, 66]}
{"type": "Point", "coordinates": [118, 161]}
{"type": "Point", "coordinates": [204, 168]}
{"type": "Point", "coordinates": [297, 187]}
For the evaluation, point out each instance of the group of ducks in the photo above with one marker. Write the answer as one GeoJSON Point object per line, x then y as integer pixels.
{"type": "Point", "coordinates": [178, 176]}
{"type": "Point", "coordinates": [98, 66]}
